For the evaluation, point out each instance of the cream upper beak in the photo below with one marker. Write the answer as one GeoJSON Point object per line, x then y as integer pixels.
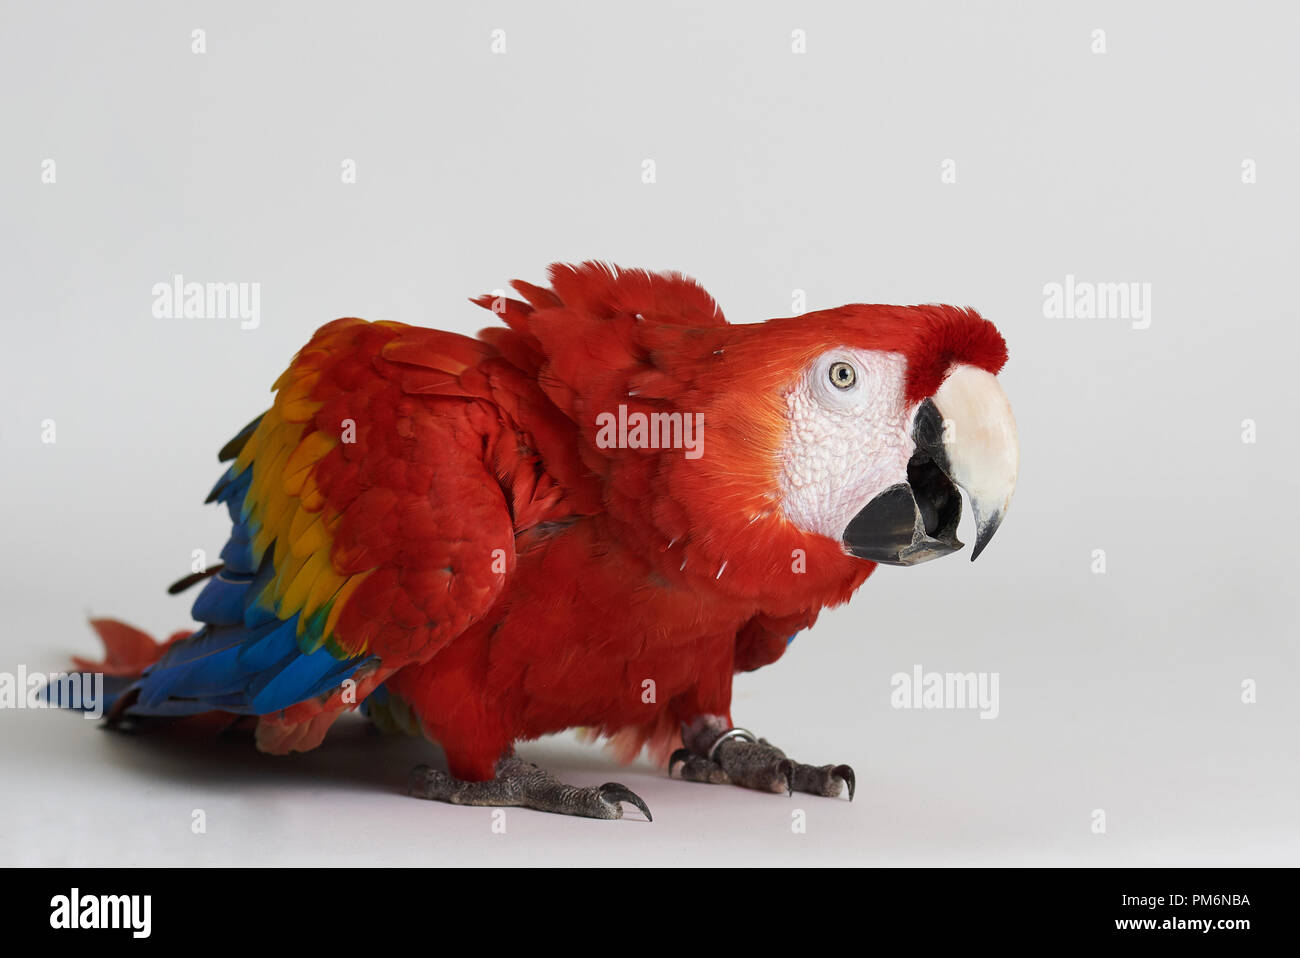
{"type": "Point", "coordinates": [981, 443]}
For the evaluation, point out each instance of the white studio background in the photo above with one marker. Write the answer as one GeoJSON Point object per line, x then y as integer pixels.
{"type": "Point", "coordinates": [970, 153]}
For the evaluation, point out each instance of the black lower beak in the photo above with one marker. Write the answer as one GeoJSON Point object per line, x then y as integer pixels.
{"type": "Point", "coordinates": [910, 522]}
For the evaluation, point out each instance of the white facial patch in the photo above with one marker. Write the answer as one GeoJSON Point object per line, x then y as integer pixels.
{"type": "Point", "coordinates": [849, 439]}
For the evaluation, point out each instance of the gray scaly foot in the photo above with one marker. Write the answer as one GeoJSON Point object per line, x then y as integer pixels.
{"type": "Point", "coordinates": [721, 756]}
{"type": "Point", "coordinates": [522, 784]}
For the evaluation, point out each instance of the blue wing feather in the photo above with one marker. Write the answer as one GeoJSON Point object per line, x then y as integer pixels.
{"type": "Point", "coordinates": [244, 659]}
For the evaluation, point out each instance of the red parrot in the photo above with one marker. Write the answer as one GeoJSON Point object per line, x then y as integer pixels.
{"type": "Point", "coordinates": [488, 540]}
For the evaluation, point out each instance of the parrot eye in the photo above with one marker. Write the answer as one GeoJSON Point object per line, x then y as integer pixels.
{"type": "Point", "coordinates": [843, 375]}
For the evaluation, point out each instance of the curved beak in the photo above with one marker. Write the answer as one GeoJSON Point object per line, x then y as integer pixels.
{"type": "Point", "coordinates": [964, 434]}
{"type": "Point", "coordinates": [979, 449]}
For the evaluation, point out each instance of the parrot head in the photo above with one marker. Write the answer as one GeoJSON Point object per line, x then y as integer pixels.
{"type": "Point", "coordinates": [874, 417]}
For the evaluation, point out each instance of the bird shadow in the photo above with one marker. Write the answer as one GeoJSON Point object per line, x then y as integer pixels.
{"type": "Point", "coordinates": [355, 755]}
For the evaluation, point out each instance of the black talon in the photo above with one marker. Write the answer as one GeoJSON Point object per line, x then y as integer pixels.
{"type": "Point", "coordinates": [681, 755]}
{"type": "Point", "coordinates": [846, 773]}
{"type": "Point", "coordinates": [614, 792]}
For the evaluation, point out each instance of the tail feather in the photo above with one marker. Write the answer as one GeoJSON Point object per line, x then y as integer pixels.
{"type": "Point", "coordinates": [128, 651]}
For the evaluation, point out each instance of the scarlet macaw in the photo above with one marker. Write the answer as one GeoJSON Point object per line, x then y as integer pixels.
{"type": "Point", "coordinates": [488, 540]}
